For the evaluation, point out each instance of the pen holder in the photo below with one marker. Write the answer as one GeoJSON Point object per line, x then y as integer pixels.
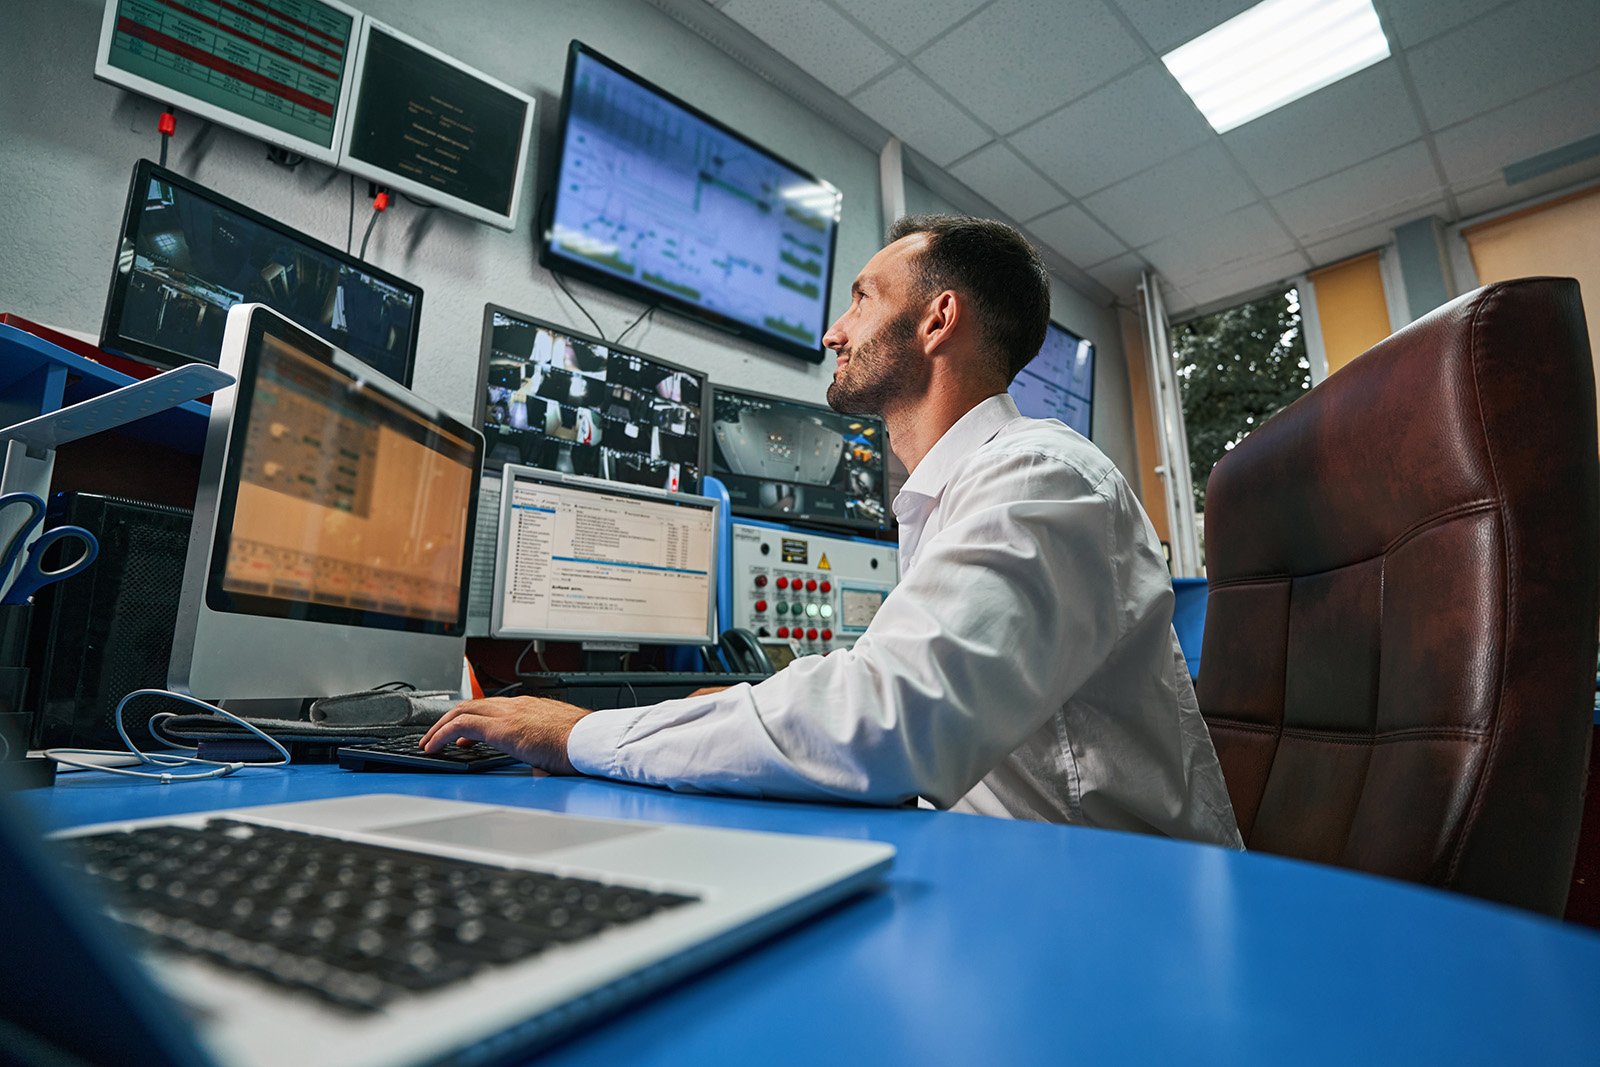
{"type": "Point", "coordinates": [16, 719]}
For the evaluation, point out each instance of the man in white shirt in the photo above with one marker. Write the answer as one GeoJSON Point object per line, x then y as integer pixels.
{"type": "Point", "coordinates": [1025, 666]}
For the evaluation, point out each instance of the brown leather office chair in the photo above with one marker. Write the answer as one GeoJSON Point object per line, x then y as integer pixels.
{"type": "Point", "coordinates": [1404, 601]}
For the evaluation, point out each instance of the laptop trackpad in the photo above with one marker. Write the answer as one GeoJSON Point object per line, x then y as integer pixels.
{"type": "Point", "coordinates": [517, 833]}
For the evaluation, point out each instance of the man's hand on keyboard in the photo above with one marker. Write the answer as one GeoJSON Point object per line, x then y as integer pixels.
{"type": "Point", "coordinates": [533, 729]}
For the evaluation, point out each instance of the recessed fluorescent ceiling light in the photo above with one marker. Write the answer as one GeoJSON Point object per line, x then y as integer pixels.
{"type": "Point", "coordinates": [1274, 54]}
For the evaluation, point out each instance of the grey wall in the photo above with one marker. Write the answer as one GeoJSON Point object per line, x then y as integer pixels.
{"type": "Point", "coordinates": [68, 144]}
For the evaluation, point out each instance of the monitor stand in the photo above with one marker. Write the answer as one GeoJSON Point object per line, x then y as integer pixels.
{"type": "Point", "coordinates": [605, 656]}
{"type": "Point", "coordinates": [291, 708]}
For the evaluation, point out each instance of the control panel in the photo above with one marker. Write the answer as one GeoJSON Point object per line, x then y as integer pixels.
{"type": "Point", "coordinates": [807, 592]}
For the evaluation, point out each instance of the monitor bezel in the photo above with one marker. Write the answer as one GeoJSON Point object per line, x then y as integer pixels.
{"type": "Point", "coordinates": [144, 171]}
{"type": "Point", "coordinates": [552, 260]}
{"type": "Point", "coordinates": [122, 79]}
{"type": "Point", "coordinates": [485, 347]}
{"type": "Point", "coordinates": [787, 516]}
{"type": "Point", "coordinates": [219, 599]}
{"type": "Point", "coordinates": [425, 193]}
{"type": "Point", "coordinates": [511, 472]}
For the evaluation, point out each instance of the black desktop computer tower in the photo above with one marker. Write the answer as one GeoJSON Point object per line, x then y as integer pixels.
{"type": "Point", "coordinates": [101, 634]}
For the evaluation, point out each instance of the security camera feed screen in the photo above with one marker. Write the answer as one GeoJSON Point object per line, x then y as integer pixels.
{"type": "Point", "coordinates": [186, 258]}
{"type": "Point", "coordinates": [566, 403]}
{"type": "Point", "coordinates": [781, 459]}
{"type": "Point", "coordinates": [657, 198]}
{"type": "Point", "coordinates": [424, 119]}
{"type": "Point", "coordinates": [1059, 382]}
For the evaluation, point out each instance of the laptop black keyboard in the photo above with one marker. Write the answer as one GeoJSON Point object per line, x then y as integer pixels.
{"type": "Point", "coordinates": [354, 924]}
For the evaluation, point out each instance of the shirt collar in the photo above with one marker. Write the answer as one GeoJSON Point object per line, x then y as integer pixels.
{"type": "Point", "coordinates": [977, 427]}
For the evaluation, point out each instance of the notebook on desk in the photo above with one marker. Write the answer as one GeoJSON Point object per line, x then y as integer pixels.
{"type": "Point", "coordinates": [380, 929]}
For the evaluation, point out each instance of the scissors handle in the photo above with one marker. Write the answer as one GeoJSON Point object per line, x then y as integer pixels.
{"type": "Point", "coordinates": [32, 577]}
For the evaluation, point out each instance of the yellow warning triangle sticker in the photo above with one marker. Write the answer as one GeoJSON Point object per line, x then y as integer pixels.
{"type": "Point", "coordinates": [822, 564]}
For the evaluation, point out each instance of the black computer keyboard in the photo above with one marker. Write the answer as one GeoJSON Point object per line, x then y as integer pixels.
{"type": "Point", "coordinates": [404, 753]}
{"type": "Point", "coordinates": [356, 925]}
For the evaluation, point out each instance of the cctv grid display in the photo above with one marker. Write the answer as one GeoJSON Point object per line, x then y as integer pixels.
{"type": "Point", "coordinates": [1059, 382]}
{"type": "Point", "coordinates": [782, 459]}
{"type": "Point", "coordinates": [659, 201]}
{"type": "Point", "coordinates": [186, 255]}
{"type": "Point", "coordinates": [323, 80]}
{"type": "Point", "coordinates": [565, 402]}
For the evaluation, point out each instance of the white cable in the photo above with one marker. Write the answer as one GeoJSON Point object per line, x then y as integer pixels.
{"type": "Point", "coordinates": [219, 768]}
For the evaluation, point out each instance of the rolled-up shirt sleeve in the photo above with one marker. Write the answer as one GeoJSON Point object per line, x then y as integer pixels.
{"type": "Point", "coordinates": [1002, 617]}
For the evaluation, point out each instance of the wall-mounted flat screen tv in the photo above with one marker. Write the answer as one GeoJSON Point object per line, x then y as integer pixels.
{"type": "Point", "coordinates": [783, 459]}
{"type": "Point", "coordinates": [552, 398]}
{"type": "Point", "coordinates": [1059, 382]}
{"type": "Point", "coordinates": [278, 70]}
{"type": "Point", "coordinates": [659, 201]}
{"type": "Point", "coordinates": [187, 254]}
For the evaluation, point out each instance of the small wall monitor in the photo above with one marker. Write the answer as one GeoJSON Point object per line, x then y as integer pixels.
{"type": "Point", "coordinates": [1059, 382]}
{"type": "Point", "coordinates": [431, 127]}
{"type": "Point", "coordinates": [274, 69]}
{"type": "Point", "coordinates": [552, 398]}
{"type": "Point", "coordinates": [584, 560]}
{"type": "Point", "coordinates": [659, 201]}
{"type": "Point", "coordinates": [332, 529]}
{"type": "Point", "coordinates": [188, 254]}
{"type": "Point", "coordinates": [782, 459]}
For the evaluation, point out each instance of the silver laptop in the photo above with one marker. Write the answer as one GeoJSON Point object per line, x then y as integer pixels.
{"type": "Point", "coordinates": [388, 929]}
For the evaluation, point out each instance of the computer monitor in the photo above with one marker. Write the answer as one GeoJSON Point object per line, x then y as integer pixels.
{"type": "Point", "coordinates": [586, 560]}
{"type": "Point", "coordinates": [1059, 382]}
{"type": "Point", "coordinates": [429, 126]}
{"type": "Point", "coordinates": [659, 201]}
{"type": "Point", "coordinates": [332, 530]}
{"type": "Point", "coordinates": [277, 70]}
{"type": "Point", "coordinates": [554, 398]}
{"type": "Point", "coordinates": [187, 254]}
{"type": "Point", "coordinates": [783, 459]}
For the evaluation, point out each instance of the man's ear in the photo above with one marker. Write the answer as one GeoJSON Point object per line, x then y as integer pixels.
{"type": "Point", "coordinates": [940, 321]}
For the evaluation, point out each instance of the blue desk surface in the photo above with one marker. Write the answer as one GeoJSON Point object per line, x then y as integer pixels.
{"type": "Point", "coordinates": [1006, 942]}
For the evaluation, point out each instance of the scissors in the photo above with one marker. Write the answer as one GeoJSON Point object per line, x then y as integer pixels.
{"type": "Point", "coordinates": [32, 577]}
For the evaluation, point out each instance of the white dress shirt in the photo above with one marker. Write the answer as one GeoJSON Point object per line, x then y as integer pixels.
{"type": "Point", "coordinates": [1025, 666]}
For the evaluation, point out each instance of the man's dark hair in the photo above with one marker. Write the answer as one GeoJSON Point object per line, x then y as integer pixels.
{"type": "Point", "coordinates": [995, 268]}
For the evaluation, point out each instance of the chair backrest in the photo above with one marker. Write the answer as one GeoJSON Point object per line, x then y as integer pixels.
{"type": "Point", "coordinates": [1404, 602]}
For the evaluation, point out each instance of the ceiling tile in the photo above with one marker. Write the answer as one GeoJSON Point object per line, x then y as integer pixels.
{"type": "Point", "coordinates": [1219, 286]}
{"type": "Point", "coordinates": [816, 38]}
{"type": "Point", "coordinates": [1557, 116]}
{"type": "Point", "coordinates": [912, 110]}
{"type": "Point", "coordinates": [1198, 185]}
{"type": "Point", "coordinates": [1362, 116]}
{"type": "Point", "coordinates": [1120, 275]}
{"type": "Point", "coordinates": [1229, 243]}
{"type": "Point", "coordinates": [1117, 130]}
{"type": "Point", "coordinates": [1377, 189]}
{"type": "Point", "coordinates": [1020, 59]}
{"type": "Point", "coordinates": [1356, 241]}
{"type": "Point", "coordinates": [1001, 177]}
{"type": "Point", "coordinates": [1414, 21]}
{"type": "Point", "coordinates": [1075, 235]}
{"type": "Point", "coordinates": [1165, 24]}
{"type": "Point", "coordinates": [1176, 300]}
{"type": "Point", "coordinates": [909, 24]}
{"type": "Point", "coordinates": [1516, 50]}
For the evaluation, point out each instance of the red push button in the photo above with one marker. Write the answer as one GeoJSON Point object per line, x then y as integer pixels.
{"type": "Point", "coordinates": [811, 586]}
{"type": "Point", "coordinates": [761, 581]}
{"type": "Point", "coordinates": [811, 635]}
{"type": "Point", "coordinates": [827, 587]}
{"type": "Point", "coordinates": [783, 631]}
{"type": "Point", "coordinates": [827, 635]}
{"type": "Point", "coordinates": [761, 605]}
{"type": "Point", "coordinates": [783, 583]}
